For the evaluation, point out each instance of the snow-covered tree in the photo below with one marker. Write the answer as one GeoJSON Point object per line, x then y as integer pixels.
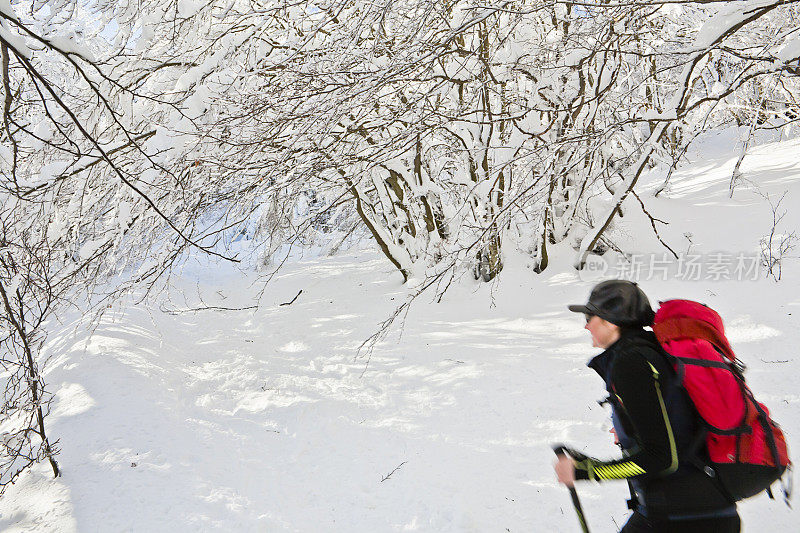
{"type": "Point", "coordinates": [444, 131]}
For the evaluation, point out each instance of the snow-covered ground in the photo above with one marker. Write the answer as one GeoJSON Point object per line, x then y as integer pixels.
{"type": "Point", "coordinates": [264, 419]}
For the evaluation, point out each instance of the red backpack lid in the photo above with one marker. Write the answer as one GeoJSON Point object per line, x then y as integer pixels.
{"type": "Point", "coordinates": [685, 319]}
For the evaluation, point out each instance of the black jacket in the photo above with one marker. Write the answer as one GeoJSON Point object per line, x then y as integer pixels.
{"type": "Point", "coordinates": [657, 428]}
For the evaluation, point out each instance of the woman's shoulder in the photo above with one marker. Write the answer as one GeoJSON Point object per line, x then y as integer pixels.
{"type": "Point", "coordinates": [642, 351]}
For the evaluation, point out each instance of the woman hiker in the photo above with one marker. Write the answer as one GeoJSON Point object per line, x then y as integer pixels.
{"type": "Point", "coordinates": [653, 419]}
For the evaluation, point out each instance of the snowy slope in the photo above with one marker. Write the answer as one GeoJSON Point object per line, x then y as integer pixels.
{"type": "Point", "coordinates": [264, 420]}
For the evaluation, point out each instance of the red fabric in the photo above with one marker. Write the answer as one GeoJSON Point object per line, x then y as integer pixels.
{"type": "Point", "coordinates": [691, 330]}
{"type": "Point", "coordinates": [753, 447]}
{"type": "Point", "coordinates": [685, 319]}
{"type": "Point", "coordinates": [716, 392]}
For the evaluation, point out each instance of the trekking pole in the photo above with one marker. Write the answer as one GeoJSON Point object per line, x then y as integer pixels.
{"type": "Point", "coordinates": [562, 451]}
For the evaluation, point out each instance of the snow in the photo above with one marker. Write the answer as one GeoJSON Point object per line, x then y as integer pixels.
{"type": "Point", "coordinates": [124, 214]}
{"type": "Point", "coordinates": [728, 16]}
{"type": "Point", "coordinates": [790, 51]}
{"type": "Point", "coordinates": [71, 44]}
{"type": "Point", "coordinates": [89, 248]}
{"type": "Point", "coordinates": [47, 172]}
{"type": "Point", "coordinates": [188, 8]}
{"type": "Point", "coordinates": [227, 44]}
{"type": "Point", "coordinates": [671, 114]}
{"type": "Point", "coordinates": [16, 41]}
{"type": "Point", "coordinates": [266, 419]}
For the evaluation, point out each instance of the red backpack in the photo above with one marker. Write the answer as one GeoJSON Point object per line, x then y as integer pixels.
{"type": "Point", "coordinates": [746, 448]}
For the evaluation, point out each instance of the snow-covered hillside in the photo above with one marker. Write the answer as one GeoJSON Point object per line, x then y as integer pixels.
{"type": "Point", "coordinates": [264, 418]}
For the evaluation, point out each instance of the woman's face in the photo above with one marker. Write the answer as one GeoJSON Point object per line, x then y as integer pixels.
{"type": "Point", "coordinates": [603, 332]}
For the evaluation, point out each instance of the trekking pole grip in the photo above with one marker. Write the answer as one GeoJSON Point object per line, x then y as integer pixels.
{"type": "Point", "coordinates": [562, 451]}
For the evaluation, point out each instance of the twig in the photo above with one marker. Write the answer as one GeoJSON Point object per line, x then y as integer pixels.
{"type": "Point", "coordinates": [208, 308]}
{"type": "Point", "coordinates": [393, 471]}
{"type": "Point", "coordinates": [653, 221]}
{"type": "Point", "coordinates": [293, 299]}
{"type": "Point", "coordinates": [736, 174]}
{"type": "Point", "coordinates": [683, 151]}
{"type": "Point", "coordinates": [383, 330]}
{"type": "Point", "coordinates": [335, 248]}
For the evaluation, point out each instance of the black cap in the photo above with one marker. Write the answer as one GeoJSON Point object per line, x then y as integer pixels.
{"type": "Point", "coordinates": [620, 302]}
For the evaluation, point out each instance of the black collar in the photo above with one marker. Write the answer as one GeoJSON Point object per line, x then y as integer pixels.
{"type": "Point", "coordinates": [602, 362]}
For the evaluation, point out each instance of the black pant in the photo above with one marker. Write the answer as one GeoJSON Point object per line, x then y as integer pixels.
{"type": "Point", "coordinates": [639, 524]}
